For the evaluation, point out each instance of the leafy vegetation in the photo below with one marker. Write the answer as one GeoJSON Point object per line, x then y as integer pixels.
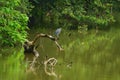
{"type": "Point", "coordinates": [72, 13]}
{"type": "Point", "coordinates": [87, 55]}
{"type": "Point", "coordinates": [16, 15]}
{"type": "Point", "coordinates": [13, 21]}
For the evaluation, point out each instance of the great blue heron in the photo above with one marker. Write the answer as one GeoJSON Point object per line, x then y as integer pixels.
{"type": "Point", "coordinates": [57, 32]}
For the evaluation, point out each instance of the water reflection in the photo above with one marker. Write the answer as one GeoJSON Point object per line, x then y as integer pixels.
{"type": "Point", "coordinates": [85, 57]}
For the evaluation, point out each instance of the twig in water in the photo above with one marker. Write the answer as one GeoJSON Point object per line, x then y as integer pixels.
{"type": "Point", "coordinates": [51, 62]}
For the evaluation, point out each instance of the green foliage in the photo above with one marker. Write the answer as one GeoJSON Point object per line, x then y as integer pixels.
{"type": "Point", "coordinates": [68, 13]}
{"type": "Point", "coordinates": [116, 5]}
{"type": "Point", "coordinates": [13, 22]}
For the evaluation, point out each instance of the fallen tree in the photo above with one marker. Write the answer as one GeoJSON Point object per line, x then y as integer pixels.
{"type": "Point", "coordinates": [30, 47]}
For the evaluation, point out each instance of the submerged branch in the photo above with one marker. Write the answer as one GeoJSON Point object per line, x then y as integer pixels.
{"type": "Point", "coordinates": [49, 64]}
{"type": "Point", "coordinates": [30, 47]}
{"type": "Point", "coordinates": [31, 68]}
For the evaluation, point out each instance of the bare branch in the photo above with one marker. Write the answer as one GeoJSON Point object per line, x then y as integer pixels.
{"type": "Point", "coordinates": [30, 47]}
{"type": "Point", "coordinates": [48, 36]}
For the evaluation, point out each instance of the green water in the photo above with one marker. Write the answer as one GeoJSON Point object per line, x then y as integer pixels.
{"type": "Point", "coordinates": [86, 56]}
